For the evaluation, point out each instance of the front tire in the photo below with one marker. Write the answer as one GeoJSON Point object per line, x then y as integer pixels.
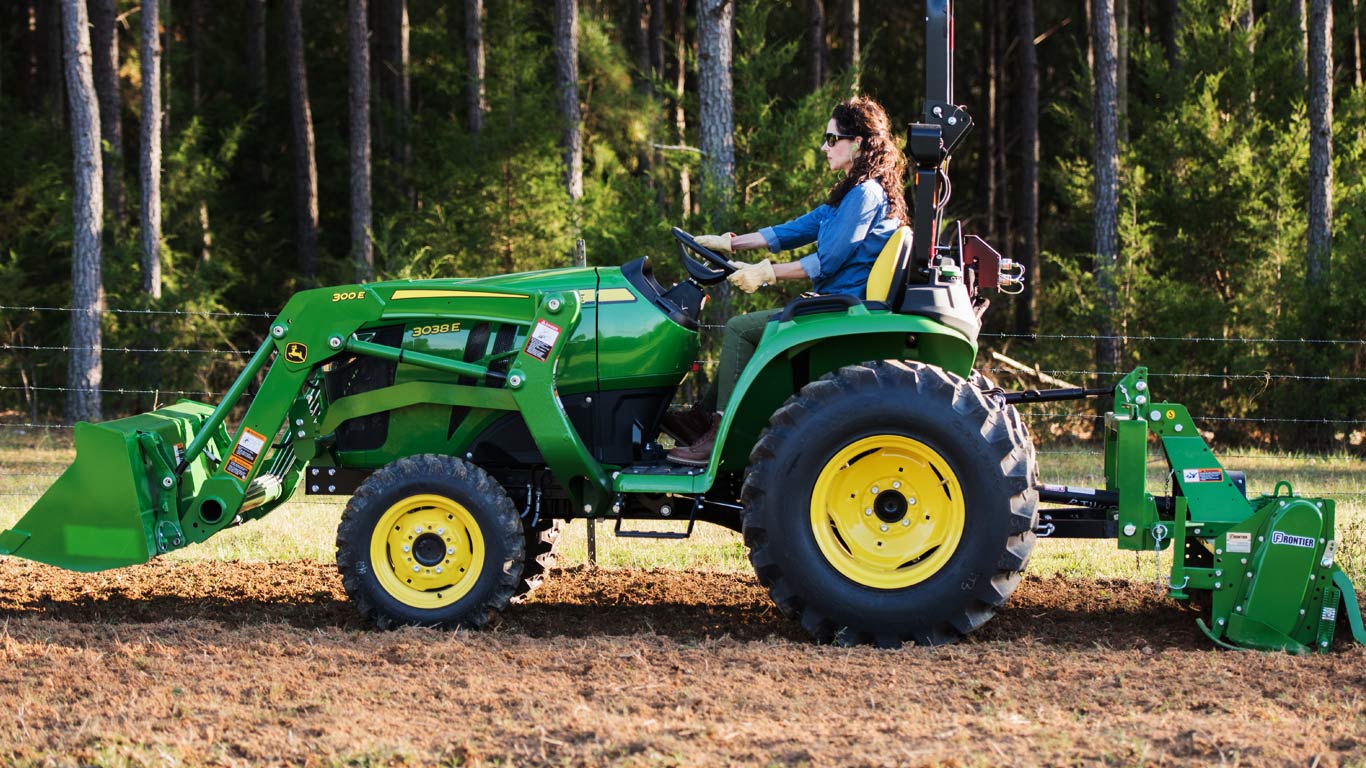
{"type": "Point", "coordinates": [889, 502]}
{"type": "Point", "coordinates": [430, 540]}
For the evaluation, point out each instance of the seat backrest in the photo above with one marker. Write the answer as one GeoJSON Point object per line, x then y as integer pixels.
{"type": "Point", "coordinates": [884, 270]}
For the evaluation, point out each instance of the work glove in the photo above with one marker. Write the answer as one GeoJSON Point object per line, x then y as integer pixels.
{"type": "Point", "coordinates": [751, 277]}
{"type": "Point", "coordinates": [715, 243]}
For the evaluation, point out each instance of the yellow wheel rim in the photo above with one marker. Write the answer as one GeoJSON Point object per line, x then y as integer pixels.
{"type": "Point", "coordinates": [887, 511]}
{"type": "Point", "coordinates": [427, 551]}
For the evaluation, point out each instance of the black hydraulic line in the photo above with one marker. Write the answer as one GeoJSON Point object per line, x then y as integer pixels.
{"type": "Point", "coordinates": [1053, 395]}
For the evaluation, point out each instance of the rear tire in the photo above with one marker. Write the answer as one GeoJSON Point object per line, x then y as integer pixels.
{"type": "Point", "coordinates": [430, 540]}
{"type": "Point", "coordinates": [889, 502]}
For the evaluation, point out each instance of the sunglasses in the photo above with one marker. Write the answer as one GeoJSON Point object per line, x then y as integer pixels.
{"type": "Point", "coordinates": [831, 139]}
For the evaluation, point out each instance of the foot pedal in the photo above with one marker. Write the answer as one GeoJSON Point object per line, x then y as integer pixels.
{"type": "Point", "coordinates": [692, 520]}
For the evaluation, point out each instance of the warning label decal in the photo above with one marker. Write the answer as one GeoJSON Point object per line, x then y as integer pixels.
{"type": "Point", "coordinates": [542, 340]}
{"type": "Point", "coordinates": [249, 447]}
{"type": "Point", "coordinates": [237, 469]}
{"type": "Point", "coordinates": [1239, 543]}
{"type": "Point", "coordinates": [1202, 475]}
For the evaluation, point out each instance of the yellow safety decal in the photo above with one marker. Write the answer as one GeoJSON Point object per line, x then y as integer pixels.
{"type": "Point", "coordinates": [606, 296]}
{"type": "Point", "coordinates": [454, 294]}
{"type": "Point", "coordinates": [296, 352]}
{"type": "Point", "coordinates": [615, 296]}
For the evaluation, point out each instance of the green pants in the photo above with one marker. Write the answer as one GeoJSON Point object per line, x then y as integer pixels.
{"type": "Point", "coordinates": [738, 343]}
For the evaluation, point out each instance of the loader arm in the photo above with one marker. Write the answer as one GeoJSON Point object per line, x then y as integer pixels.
{"type": "Point", "coordinates": [152, 483]}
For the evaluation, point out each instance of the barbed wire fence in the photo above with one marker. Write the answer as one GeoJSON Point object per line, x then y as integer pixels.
{"type": "Point", "coordinates": [1034, 414]}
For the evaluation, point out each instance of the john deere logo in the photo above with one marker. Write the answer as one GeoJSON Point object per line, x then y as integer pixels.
{"type": "Point", "coordinates": [296, 352]}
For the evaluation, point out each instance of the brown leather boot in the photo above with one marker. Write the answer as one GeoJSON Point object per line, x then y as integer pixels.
{"type": "Point", "coordinates": [699, 453]}
{"type": "Point", "coordinates": [686, 426]}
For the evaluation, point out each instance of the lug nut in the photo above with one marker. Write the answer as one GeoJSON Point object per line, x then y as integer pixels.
{"type": "Point", "coordinates": [883, 527]}
{"type": "Point", "coordinates": [874, 489]}
{"type": "Point", "coordinates": [868, 511]}
{"type": "Point", "coordinates": [905, 521]}
{"type": "Point", "coordinates": [896, 483]}
{"type": "Point", "coordinates": [417, 569]}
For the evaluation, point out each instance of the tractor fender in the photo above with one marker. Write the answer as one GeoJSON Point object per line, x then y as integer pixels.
{"type": "Point", "coordinates": [798, 348]}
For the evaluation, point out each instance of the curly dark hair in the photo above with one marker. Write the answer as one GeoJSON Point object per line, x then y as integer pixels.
{"type": "Point", "coordinates": [879, 157]}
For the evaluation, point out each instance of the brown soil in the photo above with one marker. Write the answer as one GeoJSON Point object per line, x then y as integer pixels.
{"type": "Point", "coordinates": [236, 664]}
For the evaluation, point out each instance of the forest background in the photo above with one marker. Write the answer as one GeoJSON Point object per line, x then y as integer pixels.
{"type": "Point", "coordinates": [1183, 179]}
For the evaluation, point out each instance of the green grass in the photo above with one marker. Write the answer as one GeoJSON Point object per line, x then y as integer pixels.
{"type": "Point", "coordinates": [305, 527]}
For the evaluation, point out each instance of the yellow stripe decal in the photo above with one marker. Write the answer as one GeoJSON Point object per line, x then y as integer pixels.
{"type": "Point", "coordinates": [606, 296]}
{"type": "Point", "coordinates": [415, 294]}
{"type": "Point", "coordinates": [615, 295]}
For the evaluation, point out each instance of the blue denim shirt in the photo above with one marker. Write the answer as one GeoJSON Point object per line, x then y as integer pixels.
{"type": "Point", "coordinates": [848, 239]}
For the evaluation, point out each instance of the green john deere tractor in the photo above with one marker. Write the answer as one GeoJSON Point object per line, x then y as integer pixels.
{"type": "Point", "coordinates": [886, 492]}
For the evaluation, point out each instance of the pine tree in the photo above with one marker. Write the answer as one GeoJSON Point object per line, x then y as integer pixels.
{"type": "Point", "coordinates": [1107, 182]}
{"type": "Point", "coordinates": [150, 222]}
{"type": "Point", "coordinates": [358, 39]}
{"type": "Point", "coordinates": [305, 162]}
{"type": "Point", "coordinates": [84, 370]}
{"type": "Point", "coordinates": [717, 95]}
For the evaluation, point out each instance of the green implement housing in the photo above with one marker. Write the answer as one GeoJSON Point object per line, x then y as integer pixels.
{"type": "Point", "coordinates": [887, 492]}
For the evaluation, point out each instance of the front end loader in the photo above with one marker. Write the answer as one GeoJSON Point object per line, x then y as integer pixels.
{"type": "Point", "coordinates": [887, 492]}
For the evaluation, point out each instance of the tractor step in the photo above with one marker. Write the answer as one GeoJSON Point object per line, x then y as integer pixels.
{"type": "Point", "coordinates": [661, 477]}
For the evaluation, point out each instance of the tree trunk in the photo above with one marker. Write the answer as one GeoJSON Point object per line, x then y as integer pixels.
{"type": "Point", "coordinates": [656, 34]}
{"type": "Point", "coordinates": [1028, 121]}
{"type": "Point", "coordinates": [639, 24]}
{"type": "Point", "coordinates": [1320, 233]}
{"type": "Point", "coordinates": [83, 372]}
{"type": "Point", "coordinates": [1004, 45]}
{"type": "Point", "coordinates": [680, 115]}
{"type": "Point", "coordinates": [1107, 182]}
{"type": "Point", "coordinates": [256, 48]}
{"type": "Point", "coordinates": [1354, 35]}
{"type": "Point", "coordinates": [1298, 20]}
{"type": "Point", "coordinates": [475, 102]}
{"type": "Point", "coordinates": [815, 41]}
{"type": "Point", "coordinates": [197, 106]}
{"type": "Point", "coordinates": [1122, 67]}
{"type": "Point", "coordinates": [30, 94]}
{"type": "Point", "coordinates": [717, 97]}
{"type": "Point", "coordinates": [105, 44]}
{"type": "Point", "coordinates": [165, 67]}
{"type": "Point", "coordinates": [1168, 26]}
{"type": "Point", "coordinates": [53, 78]}
{"type": "Point", "coordinates": [358, 37]}
{"type": "Point", "coordinates": [301, 118]}
{"type": "Point", "coordinates": [150, 222]}
{"type": "Point", "coordinates": [987, 175]}
{"type": "Point", "coordinates": [1246, 21]}
{"type": "Point", "coordinates": [400, 92]}
{"type": "Point", "coordinates": [849, 29]}
{"type": "Point", "coordinates": [567, 82]}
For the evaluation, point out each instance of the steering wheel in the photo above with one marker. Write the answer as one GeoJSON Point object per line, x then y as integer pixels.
{"type": "Point", "coordinates": [696, 260]}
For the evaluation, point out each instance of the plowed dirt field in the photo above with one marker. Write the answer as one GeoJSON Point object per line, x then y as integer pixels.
{"type": "Point", "coordinates": [250, 664]}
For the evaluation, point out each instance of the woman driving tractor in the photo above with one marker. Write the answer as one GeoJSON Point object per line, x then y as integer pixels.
{"type": "Point", "coordinates": [862, 210]}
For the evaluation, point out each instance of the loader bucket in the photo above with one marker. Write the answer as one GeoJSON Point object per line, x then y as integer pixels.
{"type": "Point", "coordinates": [115, 505]}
